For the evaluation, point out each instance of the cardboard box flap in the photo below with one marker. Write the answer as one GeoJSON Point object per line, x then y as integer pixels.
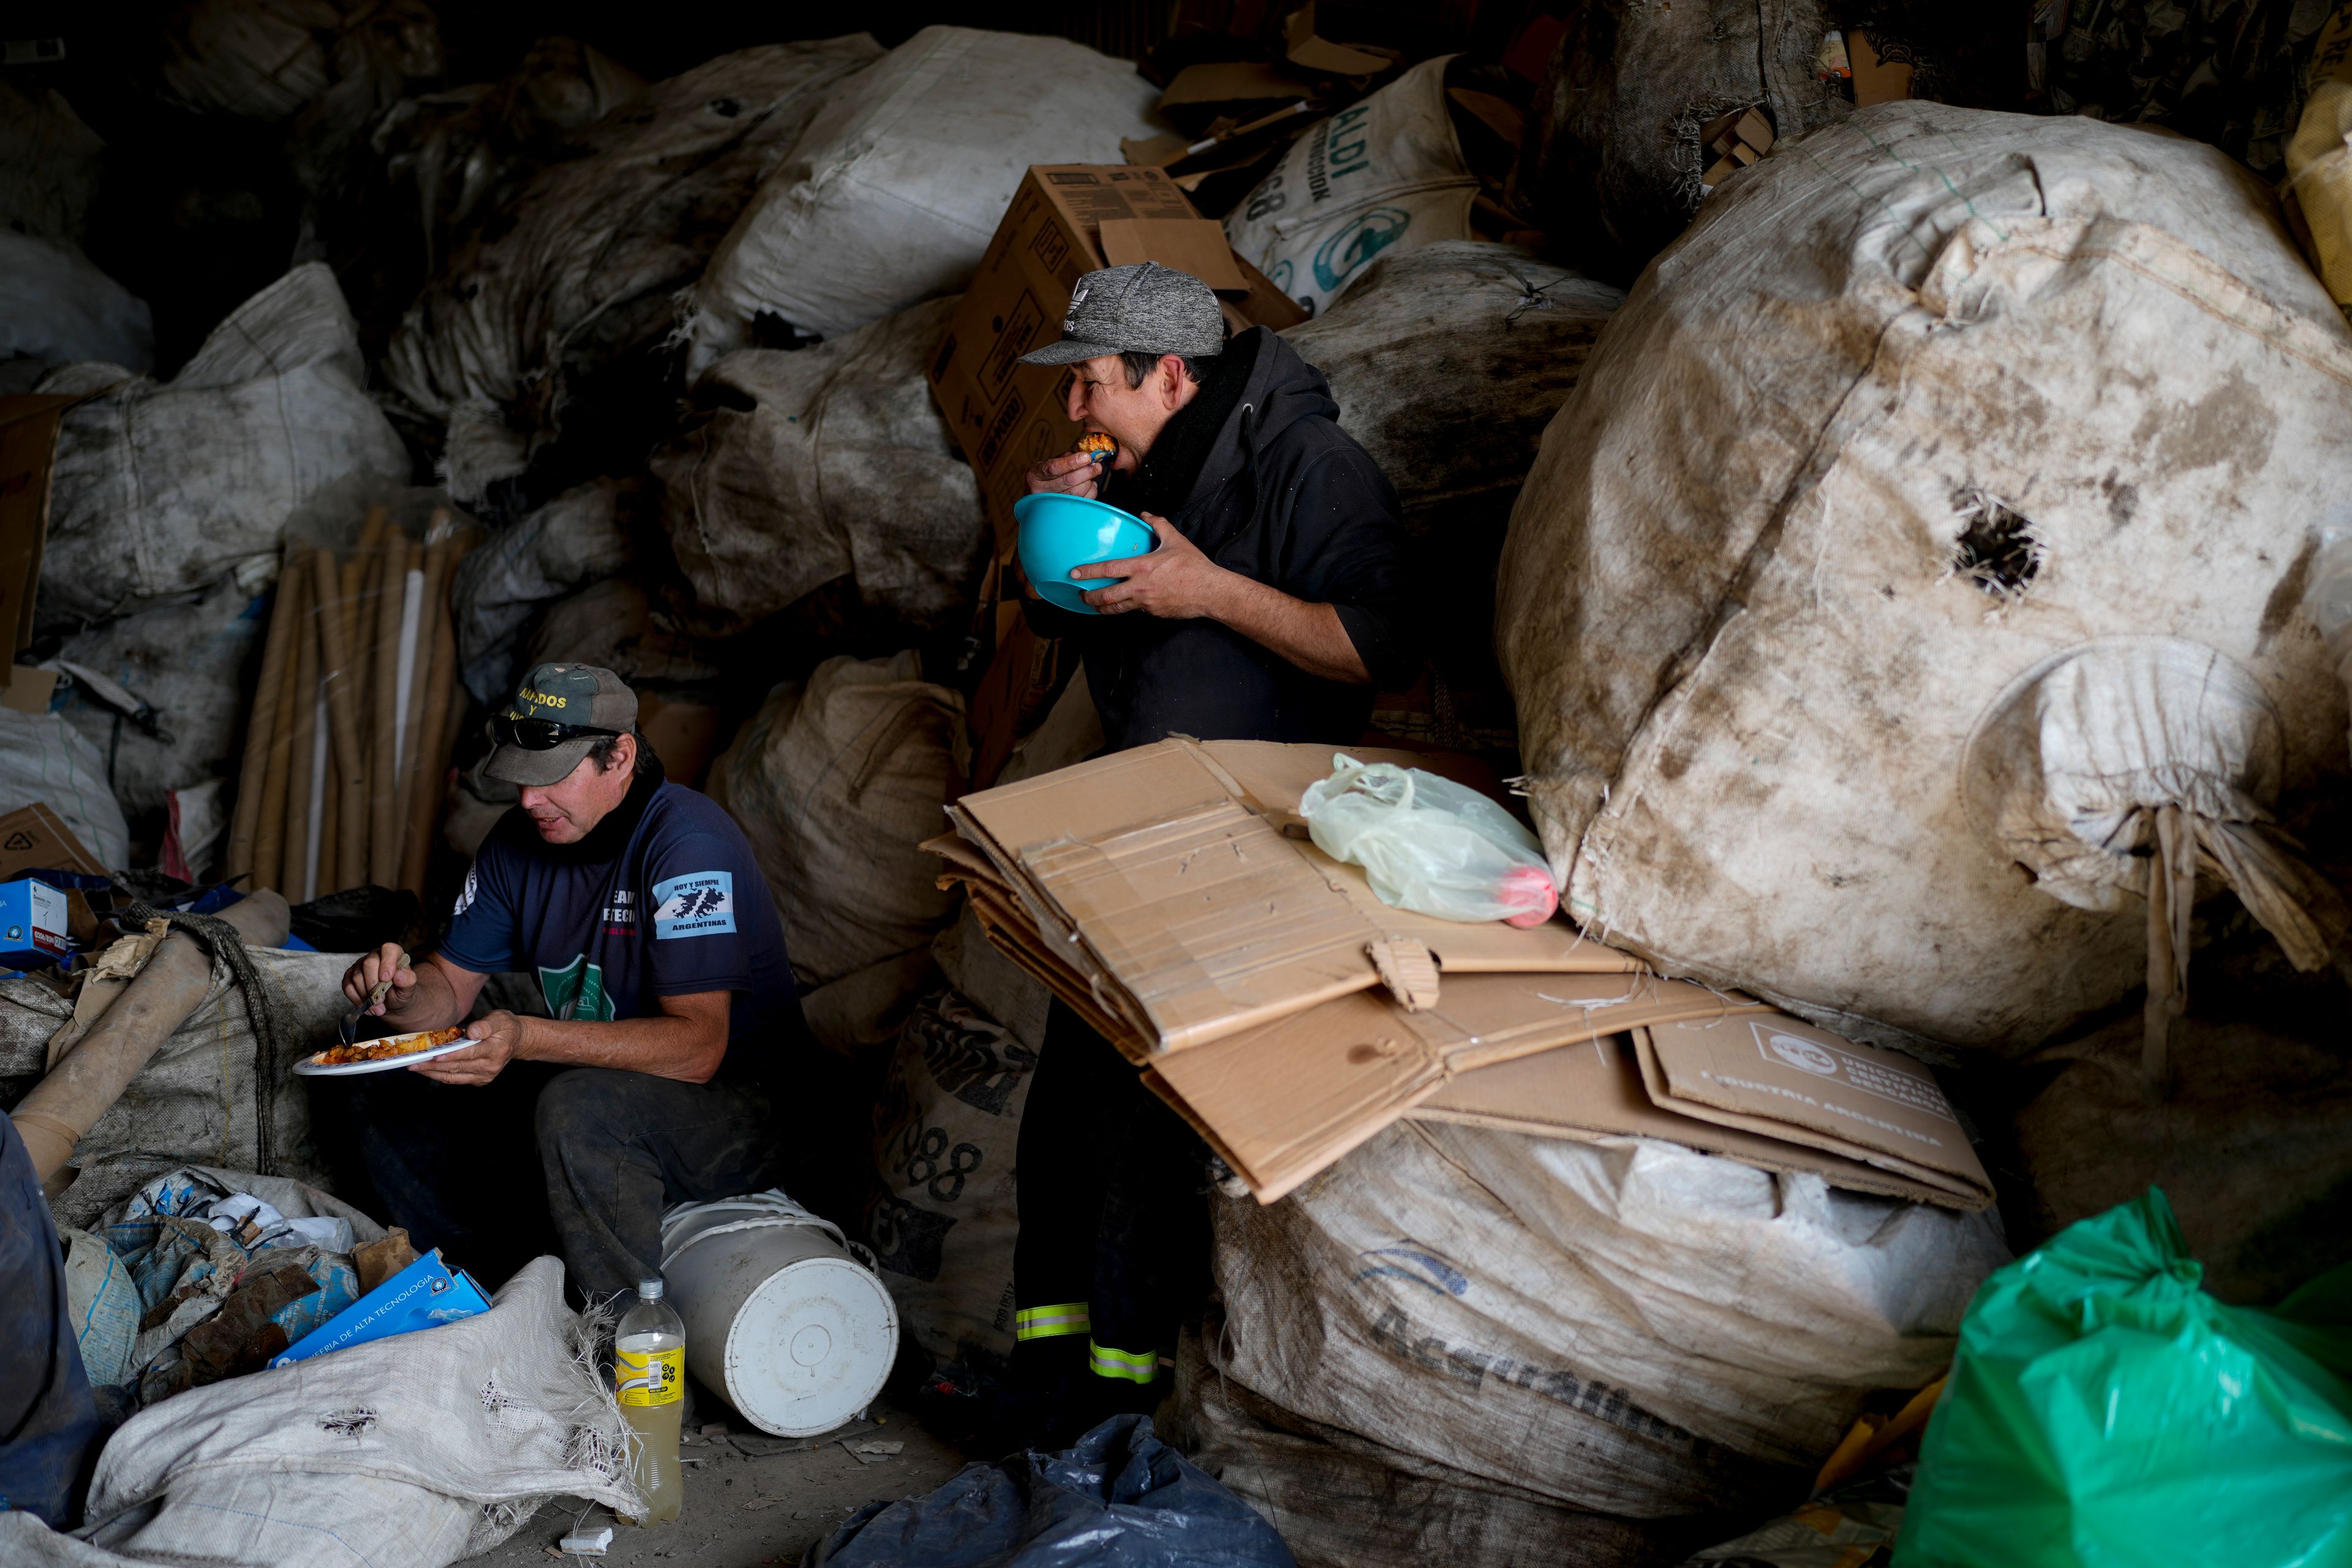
{"type": "Point", "coordinates": [1282, 1102]}
{"type": "Point", "coordinates": [1592, 1091]}
{"type": "Point", "coordinates": [1193, 245]}
{"type": "Point", "coordinates": [1790, 1080]}
{"type": "Point", "coordinates": [1236, 82]}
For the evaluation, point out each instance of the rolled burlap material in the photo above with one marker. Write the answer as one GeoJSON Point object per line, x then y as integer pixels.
{"type": "Point", "coordinates": [92, 1075]}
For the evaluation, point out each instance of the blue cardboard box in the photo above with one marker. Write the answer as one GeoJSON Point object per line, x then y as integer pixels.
{"type": "Point", "coordinates": [32, 924]}
{"type": "Point", "coordinates": [424, 1294]}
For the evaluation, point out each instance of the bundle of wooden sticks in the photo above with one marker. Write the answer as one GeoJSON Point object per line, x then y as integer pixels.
{"type": "Point", "coordinates": [354, 714]}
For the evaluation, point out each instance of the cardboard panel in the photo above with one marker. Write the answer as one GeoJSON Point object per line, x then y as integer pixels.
{"type": "Point", "coordinates": [1284, 1101]}
{"type": "Point", "coordinates": [1805, 1085]}
{"type": "Point", "coordinates": [35, 839]}
{"type": "Point", "coordinates": [1594, 1091]}
{"type": "Point", "coordinates": [1193, 245]}
{"type": "Point", "coordinates": [28, 445]}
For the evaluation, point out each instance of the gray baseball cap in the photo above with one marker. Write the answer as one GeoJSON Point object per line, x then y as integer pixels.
{"type": "Point", "coordinates": [1143, 307]}
{"type": "Point", "coordinates": [553, 698]}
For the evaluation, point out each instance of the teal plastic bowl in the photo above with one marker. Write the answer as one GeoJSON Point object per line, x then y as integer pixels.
{"type": "Point", "coordinates": [1061, 532]}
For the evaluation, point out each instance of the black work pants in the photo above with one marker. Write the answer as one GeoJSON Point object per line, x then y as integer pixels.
{"type": "Point", "coordinates": [582, 1158]}
{"type": "Point", "coordinates": [1113, 1253]}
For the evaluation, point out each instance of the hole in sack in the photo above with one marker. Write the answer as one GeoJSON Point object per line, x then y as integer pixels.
{"type": "Point", "coordinates": [1997, 550]}
{"type": "Point", "coordinates": [347, 1423]}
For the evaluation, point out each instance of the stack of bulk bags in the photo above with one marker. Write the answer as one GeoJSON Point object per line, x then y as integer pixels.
{"type": "Point", "coordinates": [895, 189]}
{"type": "Point", "coordinates": [583, 275]}
{"type": "Point", "coordinates": [1587, 1346]}
{"type": "Point", "coordinates": [1383, 175]}
{"type": "Point", "coordinates": [1918, 563]}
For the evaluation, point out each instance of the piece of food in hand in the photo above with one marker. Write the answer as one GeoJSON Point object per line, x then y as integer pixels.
{"type": "Point", "coordinates": [397, 1046]}
{"type": "Point", "coordinates": [1101, 446]}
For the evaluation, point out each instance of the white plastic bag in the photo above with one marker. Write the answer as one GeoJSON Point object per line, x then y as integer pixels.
{"type": "Point", "coordinates": [1430, 844]}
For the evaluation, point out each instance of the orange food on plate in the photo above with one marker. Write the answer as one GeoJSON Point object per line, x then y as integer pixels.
{"type": "Point", "coordinates": [384, 1050]}
{"type": "Point", "coordinates": [1099, 444]}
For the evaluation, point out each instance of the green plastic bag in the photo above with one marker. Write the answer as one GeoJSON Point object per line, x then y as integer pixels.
{"type": "Point", "coordinates": [2106, 1412]}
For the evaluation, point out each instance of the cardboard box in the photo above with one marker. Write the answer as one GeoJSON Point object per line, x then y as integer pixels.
{"type": "Point", "coordinates": [1618, 1086]}
{"type": "Point", "coordinates": [1165, 887]}
{"type": "Point", "coordinates": [424, 1294]}
{"type": "Point", "coordinates": [28, 449]}
{"type": "Point", "coordinates": [35, 839]}
{"type": "Point", "coordinates": [32, 924]}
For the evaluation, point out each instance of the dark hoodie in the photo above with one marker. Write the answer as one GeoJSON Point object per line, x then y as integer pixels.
{"type": "Point", "coordinates": [1257, 473]}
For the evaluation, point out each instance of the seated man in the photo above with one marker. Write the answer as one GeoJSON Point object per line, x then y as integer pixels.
{"type": "Point", "coordinates": [676, 1026]}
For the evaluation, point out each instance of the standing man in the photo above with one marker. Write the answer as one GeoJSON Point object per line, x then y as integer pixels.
{"type": "Point", "coordinates": [1268, 611]}
{"type": "Point", "coordinates": [677, 1036]}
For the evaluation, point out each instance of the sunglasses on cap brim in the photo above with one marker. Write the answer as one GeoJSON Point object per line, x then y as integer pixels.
{"type": "Point", "coordinates": [539, 734]}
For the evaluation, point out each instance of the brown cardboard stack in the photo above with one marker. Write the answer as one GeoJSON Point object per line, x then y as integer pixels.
{"type": "Point", "coordinates": [1170, 895]}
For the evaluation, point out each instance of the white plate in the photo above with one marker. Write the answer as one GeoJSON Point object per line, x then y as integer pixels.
{"type": "Point", "coordinates": [308, 1067]}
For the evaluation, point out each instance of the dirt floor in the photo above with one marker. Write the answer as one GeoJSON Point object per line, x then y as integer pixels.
{"type": "Point", "coordinates": [752, 1499]}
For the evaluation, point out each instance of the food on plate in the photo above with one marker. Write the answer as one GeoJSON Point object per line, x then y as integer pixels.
{"type": "Point", "coordinates": [385, 1050]}
{"type": "Point", "coordinates": [1102, 447]}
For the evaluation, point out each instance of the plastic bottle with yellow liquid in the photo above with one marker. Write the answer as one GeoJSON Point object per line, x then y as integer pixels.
{"type": "Point", "coordinates": [649, 1376]}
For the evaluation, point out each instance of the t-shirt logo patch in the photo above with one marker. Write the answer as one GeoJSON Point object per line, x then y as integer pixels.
{"type": "Point", "coordinates": [466, 894]}
{"type": "Point", "coordinates": [701, 903]}
{"type": "Point", "coordinates": [576, 991]}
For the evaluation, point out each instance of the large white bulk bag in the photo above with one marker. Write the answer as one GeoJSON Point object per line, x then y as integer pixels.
{"type": "Point", "coordinates": [896, 188]}
{"type": "Point", "coordinates": [161, 486]}
{"type": "Point", "coordinates": [1923, 545]}
{"type": "Point", "coordinates": [828, 462]}
{"type": "Point", "coordinates": [1382, 174]}
{"type": "Point", "coordinates": [597, 245]}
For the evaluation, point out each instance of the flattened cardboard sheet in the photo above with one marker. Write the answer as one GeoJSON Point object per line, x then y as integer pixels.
{"type": "Point", "coordinates": [35, 839]}
{"type": "Point", "coordinates": [1594, 1091]}
{"type": "Point", "coordinates": [1195, 917]}
{"type": "Point", "coordinates": [1193, 245]}
{"type": "Point", "coordinates": [1787, 1080]}
{"type": "Point", "coordinates": [1282, 1102]}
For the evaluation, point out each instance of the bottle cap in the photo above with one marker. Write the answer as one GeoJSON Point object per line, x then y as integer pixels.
{"type": "Point", "coordinates": [649, 1289]}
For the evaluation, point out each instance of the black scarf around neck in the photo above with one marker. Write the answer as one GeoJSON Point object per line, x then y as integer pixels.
{"type": "Point", "coordinates": [611, 835]}
{"type": "Point", "coordinates": [1163, 481]}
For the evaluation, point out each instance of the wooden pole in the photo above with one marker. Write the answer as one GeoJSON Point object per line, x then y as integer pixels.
{"type": "Point", "coordinates": [270, 826]}
{"type": "Point", "coordinates": [297, 880]}
{"type": "Point", "coordinates": [247, 820]}
{"type": "Point", "coordinates": [343, 718]}
{"type": "Point", "coordinates": [384, 818]}
{"type": "Point", "coordinates": [358, 821]}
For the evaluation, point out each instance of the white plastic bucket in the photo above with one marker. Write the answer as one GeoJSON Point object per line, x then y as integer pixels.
{"type": "Point", "coordinates": [779, 1318]}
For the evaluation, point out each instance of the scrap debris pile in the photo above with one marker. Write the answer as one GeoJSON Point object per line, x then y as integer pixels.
{"type": "Point", "coordinates": [1871, 494]}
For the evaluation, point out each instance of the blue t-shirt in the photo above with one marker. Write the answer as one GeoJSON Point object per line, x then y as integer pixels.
{"type": "Point", "coordinates": [681, 908]}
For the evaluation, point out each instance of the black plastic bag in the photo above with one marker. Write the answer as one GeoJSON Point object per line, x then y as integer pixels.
{"type": "Point", "coordinates": [1120, 1497]}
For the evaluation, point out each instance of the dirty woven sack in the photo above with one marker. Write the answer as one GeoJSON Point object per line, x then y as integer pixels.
{"type": "Point", "coordinates": [1119, 1497]}
{"type": "Point", "coordinates": [2104, 1409]}
{"type": "Point", "coordinates": [1385, 174]}
{"type": "Point", "coordinates": [831, 462]}
{"type": "Point", "coordinates": [531, 311]}
{"type": "Point", "coordinates": [420, 1449]}
{"type": "Point", "coordinates": [894, 192]}
{"type": "Point", "coordinates": [946, 1126]}
{"type": "Point", "coordinates": [57, 307]}
{"type": "Point", "coordinates": [1878, 680]}
{"type": "Point", "coordinates": [1612, 162]}
{"type": "Point", "coordinates": [215, 1093]}
{"type": "Point", "coordinates": [43, 757]}
{"type": "Point", "coordinates": [836, 780]}
{"type": "Point", "coordinates": [160, 487]}
{"type": "Point", "coordinates": [186, 658]}
{"type": "Point", "coordinates": [581, 537]}
{"type": "Point", "coordinates": [1628, 1327]}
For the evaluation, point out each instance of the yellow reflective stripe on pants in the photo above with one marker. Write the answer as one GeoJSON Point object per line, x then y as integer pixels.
{"type": "Point", "coordinates": [1135, 1366]}
{"type": "Point", "coordinates": [1048, 1322]}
